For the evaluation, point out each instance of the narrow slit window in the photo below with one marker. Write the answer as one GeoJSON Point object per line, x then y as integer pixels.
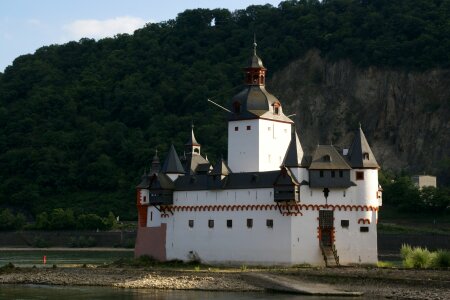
{"type": "Point", "coordinates": [191, 223]}
{"type": "Point", "coordinates": [269, 223]}
{"type": "Point", "coordinates": [321, 173]}
{"type": "Point", "coordinates": [211, 223]}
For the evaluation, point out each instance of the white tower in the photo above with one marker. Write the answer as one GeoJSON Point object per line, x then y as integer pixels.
{"type": "Point", "coordinates": [258, 131]}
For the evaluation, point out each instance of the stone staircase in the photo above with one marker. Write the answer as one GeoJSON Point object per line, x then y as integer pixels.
{"type": "Point", "coordinates": [330, 255]}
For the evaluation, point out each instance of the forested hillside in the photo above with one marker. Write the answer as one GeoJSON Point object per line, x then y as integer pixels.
{"type": "Point", "coordinates": [79, 122]}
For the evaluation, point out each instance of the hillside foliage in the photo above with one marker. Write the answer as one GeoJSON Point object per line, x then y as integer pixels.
{"type": "Point", "coordinates": [80, 122]}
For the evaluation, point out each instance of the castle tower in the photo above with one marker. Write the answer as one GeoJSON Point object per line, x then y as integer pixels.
{"type": "Point", "coordinates": [364, 169]}
{"type": "Point", "coordinates": [258, 131]}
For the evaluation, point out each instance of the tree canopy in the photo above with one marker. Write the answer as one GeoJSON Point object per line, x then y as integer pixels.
{"type": "Point", "coordinates": [79, 122]}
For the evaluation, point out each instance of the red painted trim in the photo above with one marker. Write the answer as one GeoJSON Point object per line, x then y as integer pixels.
{"type": "Point", "coordinates": [363, 221]}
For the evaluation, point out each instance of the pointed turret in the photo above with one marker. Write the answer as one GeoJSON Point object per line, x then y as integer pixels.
{"type": "Point", "coordinates": [360, 155]}
{"type": "Point", "coordinates": [192, 146]}
{"type": "Point", "coordinates": [172, 164]}
{"type": "Point", "coordinates": [294, 153]}
{"type": "Point", "coordinates": [221, 168]}
{"type": "Point", "coordinates": [156, 165]}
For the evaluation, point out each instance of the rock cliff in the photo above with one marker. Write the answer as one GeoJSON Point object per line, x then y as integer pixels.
{"type": "Point", "coordinates": [405, 115]}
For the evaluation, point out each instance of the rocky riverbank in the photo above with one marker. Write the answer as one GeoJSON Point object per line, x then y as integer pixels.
{"type": "Point", "coordinates": [374, 282]}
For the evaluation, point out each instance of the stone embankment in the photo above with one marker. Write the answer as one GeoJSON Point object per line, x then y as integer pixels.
{"type": "Point", "coordinates": [372, 282]}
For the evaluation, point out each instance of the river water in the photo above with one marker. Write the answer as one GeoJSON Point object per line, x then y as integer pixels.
{"type": "Point", "coordinates": [43, 292]}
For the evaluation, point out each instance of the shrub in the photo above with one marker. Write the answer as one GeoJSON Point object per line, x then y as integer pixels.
{"type": "Point", "coordinates": [419, 258]}
{"type": "Point", "coordinates": [90, 221]}
{"type": "Point", "coordinates": [441, 259]}
{"type": "Point", "coordinates": [405, 251]}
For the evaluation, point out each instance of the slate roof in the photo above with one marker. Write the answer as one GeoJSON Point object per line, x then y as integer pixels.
{"type": "Point", "coordinates": [161, 181]}
{"type": "Point", "coordinates": [356, 152]}
{"type": "Point", "coordinates": [192, 141]}
{"type": "Point", "coordinates": [249, 180]}
{"type": "Point", "coordinates": [196, 163]}
{"type": "Point", "coordinates": [221, 168]}
{"type": "Point", "coordinates": [172, 164]}
{"type": "Point", "coordinates": [294, 152]}
{"type": "Point", "coordinates": [256, 102]}
{"type": "Point", "coordinates": [320, 162]}
{"type": "Point", "coordinates": [144, 182]}
{"type": "Point", "coordinates": [255, 61]}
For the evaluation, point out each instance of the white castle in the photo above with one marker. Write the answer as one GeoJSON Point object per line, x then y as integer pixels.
{"type": "Point", "coordinates": [270, 204]}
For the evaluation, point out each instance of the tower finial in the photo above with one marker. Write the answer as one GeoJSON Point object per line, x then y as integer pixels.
{"type": "Point", "coordinates": [254, 43]}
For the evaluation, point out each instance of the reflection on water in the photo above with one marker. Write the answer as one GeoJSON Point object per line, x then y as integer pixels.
{"type": "Point", "coordinates": [42, 292]}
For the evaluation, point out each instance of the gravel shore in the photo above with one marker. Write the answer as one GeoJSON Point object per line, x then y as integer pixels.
{"type": "Point", "coordinates": [373, 282]}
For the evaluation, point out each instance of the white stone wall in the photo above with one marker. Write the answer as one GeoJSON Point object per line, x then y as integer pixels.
{"type": "Point", "coordinates": [143, 196]}
{"type": "Point", "coordinates": [239, 244]}
{"type": "Point", "coordinates": [292, 240]}
{"type": "Point", "coordinates": [243, 152]}
{"type": "Point", "coordinates": [273, 143]}
{"type": "Point", "coordinates": [153, 217]}
{"type": "Point", "coordinates": [260, 148]}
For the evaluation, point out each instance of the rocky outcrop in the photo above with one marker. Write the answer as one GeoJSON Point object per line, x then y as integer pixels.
{"type": "Point", "coordinates": [405, 115]}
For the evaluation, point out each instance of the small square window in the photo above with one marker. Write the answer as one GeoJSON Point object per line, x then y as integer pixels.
{"type": "Point", "coordinates": [249, 223]}
{"type": "Point", "coordinates": [211, 223]}
{"type": "Point", "coordinates": [191, 223]}
{"type": "Point", "coordinates": [229, 223]}
{"type": "Point", "coordinates": [345, 223]}
{"type": "Point", "coordinates": [341, 174]}
{"type": "Point", "coordinates": [269, 128]}
{"type": "Point", "coordinates": [333, 174]}
{"type": "Point", "coordinates": [236, 128]}
{"type": "Point", "coordinates": [359, 175]}
{"type": "Point", "coordinates": [321, 173]}
{"type": "Point", "coordinates": [364, 229]}
{"type": "Point", "coordinates": [269, 223]}
{"type": "Point", "coordinates": [249, 127]}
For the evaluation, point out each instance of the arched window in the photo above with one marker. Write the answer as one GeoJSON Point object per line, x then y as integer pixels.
{"type": "Point", "coordinates": [366, 156]}
{"type": "Point", "coordinates": [196, 150]}
{"type": "Point", "coordinates": [276, 108]}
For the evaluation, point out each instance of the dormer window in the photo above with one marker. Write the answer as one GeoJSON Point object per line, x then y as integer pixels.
{"type": "Point", "coordinates": [326, 158]}
{"type": "Point", "coordinates": [366, 156]}
{"type": "Point", "coordinates": [276, 108]}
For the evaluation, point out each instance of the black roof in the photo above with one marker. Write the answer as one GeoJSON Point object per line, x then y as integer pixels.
{"type": "Point", "coordinates": [294, 152]}
{"type": "Point", "coordinates": [249, 180]}
{"type": "Point", "coordinates": [221, 168]}
{"type": "Point", "coordinates": [256, 102]}
{"type": "Point", "coordinates": [172, 164]}
{"type": "Point", "coordinates": [326, 157]}
{"type": "Point", "coordinates": [360, 148]}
